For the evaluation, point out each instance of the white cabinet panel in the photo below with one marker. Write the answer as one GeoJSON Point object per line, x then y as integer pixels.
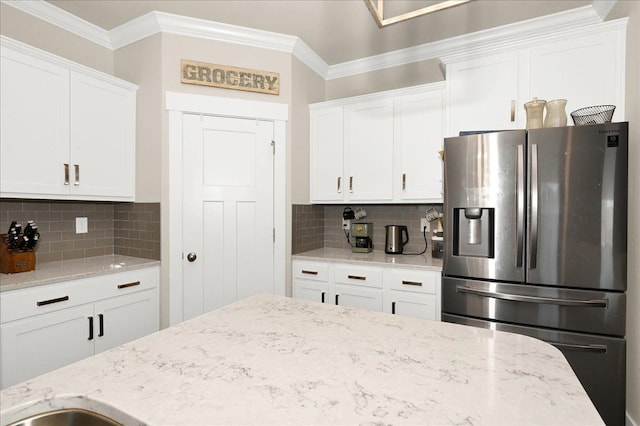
{"type": "Point", "coordinates": [414, 305]}
{"type": "Point", "coordinates": [369, 147]}
{"type": "Point", "coordinates": [102, 138]}
{"type": "Point", "coordinates": [34, 130]}
{"type": "Point", "coordinates": [418, 122]}
{"type": "Point", "coordinates": [482, 93]}
{"type": "Point", "coordinates": [42, 343]}
{"type": "Point", "coordinates": [358, 297]}
{"type": "Point", "coordinates": [327, 155]}
{"type": "Point", "coordinates": [585, 71]}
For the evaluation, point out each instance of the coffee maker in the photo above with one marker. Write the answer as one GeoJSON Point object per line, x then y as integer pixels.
{"type": "Point", "coordinates": [363, 237]}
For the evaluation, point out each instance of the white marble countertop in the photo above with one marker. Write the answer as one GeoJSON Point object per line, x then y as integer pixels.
{"type": "Point", "coordinates": [54, 272]}
{"type": "Point", "coordinates": [272, 360]}
{"type": "Point", "coordinates": [374, 258]}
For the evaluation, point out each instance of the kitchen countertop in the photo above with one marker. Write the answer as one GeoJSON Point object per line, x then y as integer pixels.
{"type": "Point", "coordinates": [374, 258]}
{"type": "Point", "coordinates": [54, 272]}
{"type": "Point", "coordinates": [275, 360]}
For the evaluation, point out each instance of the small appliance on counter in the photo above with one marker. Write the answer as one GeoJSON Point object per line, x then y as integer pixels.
{"type": "Point", "coordinates": [396, 237]}
{"type": "Point", "coordinates": [363, 236]}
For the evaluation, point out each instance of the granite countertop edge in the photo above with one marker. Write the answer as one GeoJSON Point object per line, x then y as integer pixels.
{"type": "Point", "coordinates": [66, 270]}
{"type": "Point", "coordinates": [374, 258]}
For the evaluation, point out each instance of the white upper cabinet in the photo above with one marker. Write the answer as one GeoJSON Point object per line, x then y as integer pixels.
{"type": "Point", "coordinates": [327, 155]}
{"type": "Point", "coordinates": [482, 94]}
{"type": "Point", "coordinates": [369, 147]}
{"type": "Point", "coordinates": [378, 148]}
{"type": "Point", "coordinates": [34, 124]}
{"type": "Point", "coordinates": [585, 66]}
{"type": "Point", "coordinates": [68, 132]}
{"type": "Point", "coordinates": [418, 129]}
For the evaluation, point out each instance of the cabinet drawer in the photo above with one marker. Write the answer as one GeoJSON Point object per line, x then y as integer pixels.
{"type": "Point", "coordinates": [414, 305]}
{"type": "Point", "coordinates": [415, 281]}
{"type": "Point", "coordinates": [52, 297]}
{"type": "Point", "coordinates": [362, 276]}
{"type": "Point", "coordinates": [311, 271]}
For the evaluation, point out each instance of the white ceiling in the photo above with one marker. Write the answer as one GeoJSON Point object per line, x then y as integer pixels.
{"type": "Point", "coordinates": [337, 30]}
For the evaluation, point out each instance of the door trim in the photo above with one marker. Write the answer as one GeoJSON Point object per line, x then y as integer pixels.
{"type": "Point", "coordinates": [178, 104]}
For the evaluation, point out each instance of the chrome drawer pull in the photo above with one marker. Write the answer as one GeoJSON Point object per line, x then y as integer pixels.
{"type": "Point", "coordinates": [310, 272]}
{"type": "Point", "coordinates": [50, 301]}
{"type": "Point", "coordinates": [356, 277]}
{"type": "Point", "coordinates": [597, 303]}
{"type": "Point", "coordinates": [133, 284]}
{"type": "Point", "coordinates": [66, 173]}
{"type": "Point", "coordinates": [416, 283]}
{"type": "Point", "coordinates": [77, 170]}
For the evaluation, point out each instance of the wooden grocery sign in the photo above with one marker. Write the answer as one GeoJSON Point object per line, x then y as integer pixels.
{"type": "Point", "coordinates": [227, 77]}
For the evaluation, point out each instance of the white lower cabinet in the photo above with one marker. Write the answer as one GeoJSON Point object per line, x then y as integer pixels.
{"type": "Point", "coordinates": [48, 327]}
{"type": "Point", "coordinates": [396, 290]}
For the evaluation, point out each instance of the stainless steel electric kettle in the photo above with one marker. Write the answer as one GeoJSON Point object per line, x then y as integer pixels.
{"type": "Point", "coordinates": [396, 236]}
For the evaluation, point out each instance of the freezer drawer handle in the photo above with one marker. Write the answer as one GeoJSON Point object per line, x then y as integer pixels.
{"type": "Point", "coordinates": [580, 348]}
{"type": "Point", "coordinates": [597, 303]}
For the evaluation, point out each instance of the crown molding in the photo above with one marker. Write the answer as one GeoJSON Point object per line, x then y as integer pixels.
{"type": "Point", "coordinates": [448, 50]}
{"type": "Point", "coordinates": [63, 19]}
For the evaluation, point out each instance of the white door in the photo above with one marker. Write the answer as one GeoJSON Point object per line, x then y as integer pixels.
{"type": "Point", "coordinates": [327, 155]}
{"type": "Point", "coordinates": [228, 228]}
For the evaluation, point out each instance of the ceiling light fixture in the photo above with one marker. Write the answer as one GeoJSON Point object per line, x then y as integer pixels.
{"type": "Point", "coordinates": [376, 7]}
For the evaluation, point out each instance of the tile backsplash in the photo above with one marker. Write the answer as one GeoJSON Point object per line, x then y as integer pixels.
{"type": "Point", "coordinates": [330, 234]}
{"type": "Point", "coordinates": [113, 228]}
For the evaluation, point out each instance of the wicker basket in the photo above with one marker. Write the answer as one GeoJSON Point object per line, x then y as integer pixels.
{"type": "Point", "coordinates": [598, 114]}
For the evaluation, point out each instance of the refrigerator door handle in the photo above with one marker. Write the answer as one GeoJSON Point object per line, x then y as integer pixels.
{"type": "Point", "coordinates": [533, 261]}
{"type": "Point", "coordinates": [596, 303]}
{"type": "Point", "coordinates": [520, 206]}
{"type": "Point", "coordinates": [580, 348]}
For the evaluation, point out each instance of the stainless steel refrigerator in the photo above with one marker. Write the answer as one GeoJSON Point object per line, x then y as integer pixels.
{"type": "Point", "coordinates": [536, 244]}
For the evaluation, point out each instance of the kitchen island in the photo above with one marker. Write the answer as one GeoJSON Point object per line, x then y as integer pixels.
{"type": "Point", "coordinates": [275, 360]}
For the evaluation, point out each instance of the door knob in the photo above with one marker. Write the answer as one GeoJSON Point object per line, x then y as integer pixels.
{"type": "Point", "coordinates": [191, 257]}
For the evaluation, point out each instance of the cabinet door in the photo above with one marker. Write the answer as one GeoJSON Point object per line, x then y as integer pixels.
{"type": "Point", "coordinates": [414, 305]}
{"type": "Point", "coordinates": [418, 138]}
{"type": "Point", "coordinates": [358, 297]}
{"type": "Point", "coordinates": [125, 318]}
{"type": "Point", "coordinates": [369, 147]}
{"type": "Point", "coordinates": [482, 94]}
{"type": "Point", "coordinates": [310, 290]}
{"type": "Point", "coordinates": [34, 125]}
{"type": "Point", "coordinates": [39, 344]}
{"type": "Point", "coordinates": [327, 155]}
{"type": "Point", "coordinates": [102, 138]}
{"type": "Point", "coordinates": [586, 71]}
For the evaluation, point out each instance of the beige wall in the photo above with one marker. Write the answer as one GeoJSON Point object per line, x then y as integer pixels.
{"type": "Point", "coordinates": [632, 10]}
{"type": "Point", "coordinates": [423, 72]}
{"type": "Point", "coordinates": [32, 31]}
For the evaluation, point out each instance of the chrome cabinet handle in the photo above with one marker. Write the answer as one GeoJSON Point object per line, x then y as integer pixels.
{"type": "Point", "coordinates": [50, 301]}
{"type": "Point", "coordinates": [416, 283]}
{"type": "Point", "coordinates": [513, 110]}
{"type": "Point", "coordinates": [77, 171]}
{"type": "Point", "coordinates": [133, 284]}
{"type": "Point", "coordinates": [596, 303]}
{"type": "Point", "coordinates": [356, 277]}
{"type": "Point", "coordinates": [350, 183]}
{"type": "Point", "coordinates": [520, 213]}
{"type": "Point", "coordinates": [339, 184]}
{"type": "Point", "coordinates": [533, 261]}
{"type": "Point", "coordinates": [66, 173]}
{"type": "Point", "coordinates": [404, 181]}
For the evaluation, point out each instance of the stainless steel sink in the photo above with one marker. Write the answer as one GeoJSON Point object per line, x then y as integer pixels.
{"type": "Point", "coordinates": [67, 417]}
